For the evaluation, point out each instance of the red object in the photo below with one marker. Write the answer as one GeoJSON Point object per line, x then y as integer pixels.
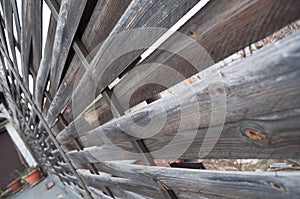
{"type": "Point", "coordinates": [33, 177]}
{"type": "Point", "coordinates": [15, 185]}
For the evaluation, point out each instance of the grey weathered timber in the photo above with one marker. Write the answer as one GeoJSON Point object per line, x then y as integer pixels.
{"type": "Point", "coordinates": [151, 14]}
{"type": "Point", "coordinates": [42, 119]}
{"type": "Point", "coordinates": [241, 80]}
{"type": "Point", "coordinates": [36, 10]}
{"type": "Point", "coordinates": [225, 26]}
{"type": "Point", "coordinates": [92, 133]}
{"type": "Point", "coordinates": [26, 39]}
{"type": "Point", "coordinates": [68, 20]}
{"type": "Point", "coordinates": [17, 19]}
{"type": "Point", "coordinates": [92, 36]}
{"type": "Point", "coordinates": [135, 86]}
{"type": "Point", "coordinates": [279, 131]}
{"type": "Point", "coordinates": [119, 183]}
{"type": "Point", "coordinates": [44, 69]}
{"type": "Point", "coordinates": [103, 153]}
{"type": "Point", "coordinates": [228, 184]}
{"type": "Point", "coordinates": [98, 194]}
{"type": "Point", "coordinates": [8, 13]}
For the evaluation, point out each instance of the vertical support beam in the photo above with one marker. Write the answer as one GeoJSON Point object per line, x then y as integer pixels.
{"type": "Point", "coordinates": [116, 108]}
{"type": "Point", "coordinates": [139, 145]}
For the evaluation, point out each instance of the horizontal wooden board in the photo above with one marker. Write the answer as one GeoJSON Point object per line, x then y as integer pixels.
{"type": "Point", "coordinates": [221, 29]}
{"type": "Point", "coordinates": [228, 184]}
{"type": "Point", "coordinates": [142, 82]}
{"type": "Point", "coordinates": [91, 37]}
{"type": "Point", "coordinates": [151, 14]}
{"type": "Point", "coordinates": [251, 92]}
{"type": "Point", "coordinates": [98, 181]}
{"type": "Point", "coordinates": [279, 139]}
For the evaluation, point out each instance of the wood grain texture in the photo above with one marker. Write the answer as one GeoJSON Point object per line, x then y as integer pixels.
{"type": "Point", "coordinates": [93, 35]}
{"type": "Point", "coordinates": [98, 181]}
{"type": "Point", "coordinates": [151, 14]}
{"type": "Point", "coordinates": [26, 33]}
{"type": "Point", "coordinates": [221, 28]}
{"type": "Point", "coordinates": [68, 20]}
{"type": "Point", "coordinates": [244, 102]}
{"type": "Point", "coordinates": [148, 78]}
{"type": "Point", "coordinates": [213, 184]}
{"type": "Point", "coordinates": [36, 9]}
{"type": "Point", "coordinates": [71, 127]}
{"type": "Point", "coordinates": [44, 68]}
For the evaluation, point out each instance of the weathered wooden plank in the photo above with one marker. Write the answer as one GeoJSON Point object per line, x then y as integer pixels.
{"type": "Point", "coordinates": [26, 33]}
{"type": "Point", "coordinates": [68, 20]}
{"type": "Point", "coordinates": [94, 34]}
{"type": "Point", "coordinates": [98, 194]}
{"type": "Point", "coordinates": [42, 119]}
{"type": "Point", "coordinates": [279, 131]}
{"type": "Point", "coordinates": [59, 106]}
{"type": "Point", "coordinates": [44, 69]}
{"type": "Point", "coordinates": [36, 9]}
{"type": "Point", "coordinates": [103, 153]}
{"type": "Point", "coordinates": [4, 56]}
{"type": "Point", "coordinates": [8, 13]}
{"type": "Point", "coordinates": [242, 81]}
{"type": "Point", "coordinates": [192, 195]}
{"type": "Point", "coordinates": [150, 13]}
{"type": "Point", "coordinates": [94, 116]}
{"type": "Point", "coordinates": [17, 19]}
{"type": "Point", "coordinates": [98, 181]}
{"type": "Point", "coordinates": [230, 184]}
{"type": "Point", "coordinates": [6, 89]}
{"type": "Point", "coordinates": [139, 84]}
{"type": "Point", "coordinates": [105, 15]}
{"type": "Point", "coordinates": [234, 25]}
{"type": "Point", "coordinates": [264, 18]}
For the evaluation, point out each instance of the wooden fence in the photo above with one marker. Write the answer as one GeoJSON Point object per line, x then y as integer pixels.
{"type": "Point", "coordinates": [76, 100]}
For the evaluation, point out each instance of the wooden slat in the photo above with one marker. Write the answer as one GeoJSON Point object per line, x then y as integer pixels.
{"type": "Point", "coordinates": [44, 69]}
{"type": "Point", "coordinates": [106, 14]}
{"type": "Point", "coordinates": [17, 19]}
{"type": "Point", "coordinates": [98, 194]}
{"type": "Point", "coordinates": [221, 28]}
{"type": "Point", "coordinates": [42, 119]}
{"type": "Point", "coordinates": [8, 13]}
{"type": "Point", "coordinates": [103, 153]}
{"type": "Point", "coordinates": [36, 7]}
{"type": "Point", "coordinates": [279, 131]}
{"type": "Point", "coordinates": [150, 13]}
{"type": "Point", "coordinates": [244, 101]}
{"type": "Point", "coordinates": [98, 181]}
{"type": "Point", "coordinates": [230, 184]}
{"type": "Point", "coordinates": [215, 16]}
{"type": "Point", "coordinates": [26, 31]}
{"type": "Point", "coordinates": [94, 34]}
{"type": "Point", "coordinates": [94, 116]}
{"type": "Point", "coordinates": [68, 20]}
